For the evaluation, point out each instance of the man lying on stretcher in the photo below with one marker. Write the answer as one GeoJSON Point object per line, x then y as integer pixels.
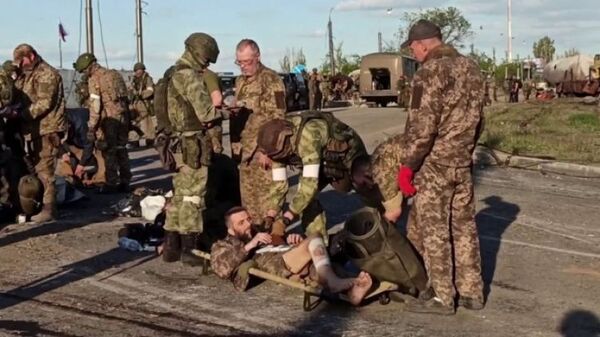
{"type": "Point", "coordinates": [306, 257]}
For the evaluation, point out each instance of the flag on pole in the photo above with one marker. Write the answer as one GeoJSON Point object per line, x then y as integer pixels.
{"type": "Point", "coordinates": [62, 33]}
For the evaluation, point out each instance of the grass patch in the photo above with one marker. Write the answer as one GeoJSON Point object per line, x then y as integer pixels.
{"type": "Point", "coordinates": [562, 130]}
{"type": "Point", "coordinates": [585, 121]}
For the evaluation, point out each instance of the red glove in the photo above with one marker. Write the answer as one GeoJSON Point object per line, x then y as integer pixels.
{"type": "Point", "coordinates": [404, 179]}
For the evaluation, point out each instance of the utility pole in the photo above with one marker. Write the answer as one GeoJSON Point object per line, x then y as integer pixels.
{"type": "Point", "coordinates": [379, 42]}
{"type": "Point", "coordinates": [331, 49]}
{"type": "Point", "coordinates": [138, 31]}
{"type": "Point", "coordinates": [509, 24]}
{"type": "Point", "coordinates": [89, 24]}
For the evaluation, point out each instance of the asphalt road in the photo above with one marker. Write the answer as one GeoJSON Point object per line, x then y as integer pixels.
{"type": "Point", "coordinates": [540, 237]}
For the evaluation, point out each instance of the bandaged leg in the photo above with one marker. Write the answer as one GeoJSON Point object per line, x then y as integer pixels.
{"type": "Point", "coordinates": [320, 259]}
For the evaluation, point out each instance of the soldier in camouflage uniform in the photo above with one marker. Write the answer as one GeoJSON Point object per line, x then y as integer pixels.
{"type": "Point", "coordinates": [373, 178]}
{"type": "Point", "coordinates": [324, 148]}
{"type": "Point", "coordinates": [403, 92]}
{"type": "Point", "coordinates": [325, 88]}
{"type": "Point", "coordinates": [108, 125]}
{"type": "Point", "coordinates": [142, 92]}
{"type": "Point", "coordinates": [260, 93]}
{"type": "Point", "coordinates": [40, 92]}
{"type": "Point", "coordinates": [85, 150]}
{"type": "Point", "coordinates": [442, 129]}
{"type": "Point", "coordinates": [190, 114]}
{"type": "Point", "coordinates": [215, 133]}
{"type": "Point", "coordinates": [232, 257]}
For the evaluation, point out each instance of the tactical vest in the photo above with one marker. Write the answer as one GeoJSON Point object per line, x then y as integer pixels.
{"type": "Point", "coordinates": [377, 247]}
{"type": "Point", "coordinates": [342, 146]}
{"type": "Point", "coordinates": [173, 119]}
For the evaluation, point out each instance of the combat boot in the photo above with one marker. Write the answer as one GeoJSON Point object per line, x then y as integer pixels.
{"type": "Point", "coordinates": [188, 243]}
{"type": "Point", "coordinates": [470, 303]}
{"type": "Point", "coordinates": [172, 247]}
{"type": "Point", "coordinates": [432, 306]}
{"type": "Point", "coordinates": [47, 214]}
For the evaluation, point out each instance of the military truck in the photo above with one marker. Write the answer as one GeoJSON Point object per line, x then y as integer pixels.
{"type": "Point", "coordinates": [379, 75]}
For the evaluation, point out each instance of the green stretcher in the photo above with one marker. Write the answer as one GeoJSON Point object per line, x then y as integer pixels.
{"type": "Point", "coordinates": [381, 292]}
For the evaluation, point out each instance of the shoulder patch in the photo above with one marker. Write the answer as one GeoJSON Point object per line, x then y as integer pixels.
{"type": "Point", "coordinates": [280, 99]}
{"type": "Point", "coordinates": [417, 95]}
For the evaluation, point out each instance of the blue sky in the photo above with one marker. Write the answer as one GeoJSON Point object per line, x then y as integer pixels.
{"type": "Point", "coordinates": [278, 25]}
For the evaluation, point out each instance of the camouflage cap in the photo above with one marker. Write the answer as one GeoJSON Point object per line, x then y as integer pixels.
{"type": "Point", "coordinates": [8, 67]}
{"type": "Point", "coordinates": [272, 135]}
{"type": "Point", "coordinates": [139, 66]}
{"type": "Point", "coordinates": [31, 191]}
{"type": "Point", "coordinates": [203, 48]}
{"type": "Point", "coordinates": [84, 61]}
{"type": "Point", "coordinates": [421, 30]}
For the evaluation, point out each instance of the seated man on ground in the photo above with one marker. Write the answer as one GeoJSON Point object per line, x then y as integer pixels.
{"type": "Point", "coordinates": [241, 245]}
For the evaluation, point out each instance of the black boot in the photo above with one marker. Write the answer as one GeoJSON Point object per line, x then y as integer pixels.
{"type": "Point", "coordinates": [188, 243]}
{"type": "Point", "coordinates": [172, 247]}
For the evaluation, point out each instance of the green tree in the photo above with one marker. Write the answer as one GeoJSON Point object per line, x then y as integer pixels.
{"type": "Point", "coordinates": [485, 62]}
{"type": "Point", "coordinates": [571, 52]}
{"type": "Point", "coordinates": [291, 59]}
{"type": "Point", "coordinates": [344, 64]}
{"type": "Point", "coordinates": [456, 29]}
{"type": "Point", "coordinates": [544, 49]}
{"type": "Point", "coordinates": [284, 64]}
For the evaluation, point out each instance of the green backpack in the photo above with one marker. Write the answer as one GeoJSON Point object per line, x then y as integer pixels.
{"type": "Point", "coordinates": [377, 247]}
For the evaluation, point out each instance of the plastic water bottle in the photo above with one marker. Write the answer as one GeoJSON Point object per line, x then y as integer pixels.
{"type": "Point", "coordinates": [130, 244]}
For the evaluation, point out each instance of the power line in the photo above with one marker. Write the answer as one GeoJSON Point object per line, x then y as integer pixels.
{"type": "Point", "coordinates": [101, 32]}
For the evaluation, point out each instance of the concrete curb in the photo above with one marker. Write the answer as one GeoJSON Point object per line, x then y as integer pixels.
{"type": "Point", "coordinates": [487, 157]}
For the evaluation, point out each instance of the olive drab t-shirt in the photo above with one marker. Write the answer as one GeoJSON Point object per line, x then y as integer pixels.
{"type": "Point", "coordinates": [211, 80]}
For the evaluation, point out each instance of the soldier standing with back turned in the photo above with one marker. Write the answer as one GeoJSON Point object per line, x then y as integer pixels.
{"type": "Point", "coordinates": [442, 129]}
{"type": "Point", "coordinates": [40, 91]}
{"type": "Point", "coordinates": [108, 125]}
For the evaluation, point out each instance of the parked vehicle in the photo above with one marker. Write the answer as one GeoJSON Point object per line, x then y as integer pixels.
{"type": "Point", "coordinates": [379, 75]}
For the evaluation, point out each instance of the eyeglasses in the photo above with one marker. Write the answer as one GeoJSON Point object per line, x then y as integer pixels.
{"type": "Point", "coordinates": [244, 62]}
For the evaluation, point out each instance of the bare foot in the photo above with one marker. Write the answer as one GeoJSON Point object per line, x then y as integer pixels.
{"type": "Point", "coordinates": [336, 285]}
{"type": "Point", "coordinates": [361, 286]}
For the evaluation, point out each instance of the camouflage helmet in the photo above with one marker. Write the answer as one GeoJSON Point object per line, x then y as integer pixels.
{"type": "Point", "coordinates": [84, 61]}
{"type": "Point", "coordinates": [272, 138]}
{"type": "Point", "coordinates": [31, 191]}
{"type": "Point", "coordinates": [9, 67]}
{"type": "Point", "coordinates": [139, 66]}
{"type": "Point", "coordinates": [203, 47]}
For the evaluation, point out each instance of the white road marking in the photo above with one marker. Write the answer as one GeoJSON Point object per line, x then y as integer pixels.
{"type": "Point", "coordinates": [548, 248]}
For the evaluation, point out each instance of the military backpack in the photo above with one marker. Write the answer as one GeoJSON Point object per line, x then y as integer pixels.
{"type": "Point", "coordinates": [342, 147]}
{"type": "Point", "coordinates": [375, 245]}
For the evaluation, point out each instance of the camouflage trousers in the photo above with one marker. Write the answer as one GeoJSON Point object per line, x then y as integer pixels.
{"type": "Point", "coordinates": [314, 101]}
{"type": "Point", "coordinates": [116, 159]}
{"type": "Point", "coordinates": [255, 183]}
{"type": "Point", "coordinates": [215, 135]}
{"type": "Point", "coordinates": [184, 214]}
{"type": "Point", "coordinates": [442, 228]}
{"type": "Point", "coordinates": [44, 150]}
{"type": "Point", "coordinates": [143, 121]}
{"type": "Point", "coordinates": [147, 125]}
